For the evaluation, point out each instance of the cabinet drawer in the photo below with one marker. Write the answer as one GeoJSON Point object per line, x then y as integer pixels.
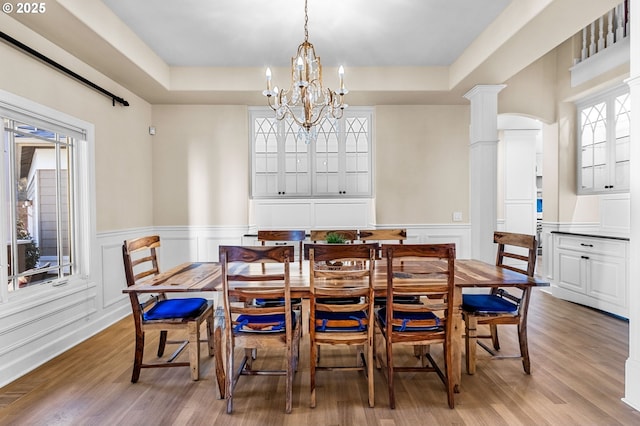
{"type": "Point", "coordinates": [593, 245]}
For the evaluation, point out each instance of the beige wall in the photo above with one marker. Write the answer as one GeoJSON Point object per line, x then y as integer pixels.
{"type": "Point", "coordinates": [200, 165]}
{"type": "Point", "coordinates": [573, 207]}
{"type": "Point", "coordinates": [532, 92]}
{"type": "Point", "coordinates": [422, 164]}
{"type": "Point", "coordinates": [195, 170]}
{"type": "Point", "coordinates": [543, 91]}
{"type": "Point", "coordinates": [122, 143]}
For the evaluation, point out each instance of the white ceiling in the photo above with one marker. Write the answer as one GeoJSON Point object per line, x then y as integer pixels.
{"type": "Point", "coordinates": [354, 33]}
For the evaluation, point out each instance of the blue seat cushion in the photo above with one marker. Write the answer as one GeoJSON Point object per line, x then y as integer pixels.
{"type": "Point", "coordinates": [273, 323]}
{"type": "Point", "coordinates": [341, 321]}
{"type": "Point", "coordinates": [176, 308]}
{"type": "Point", "coordinates": [412, 321]}
{"type": "Point", "coordinates": [265, 303]}
{"type": "Point", "coordinates": [487, 304]}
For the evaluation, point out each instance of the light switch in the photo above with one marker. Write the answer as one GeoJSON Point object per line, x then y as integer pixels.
{"type": "Point", "coordinates": [457, 216]}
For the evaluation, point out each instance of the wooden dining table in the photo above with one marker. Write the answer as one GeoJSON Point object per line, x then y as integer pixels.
{"type": "Point", "coordinates": [206, 276]}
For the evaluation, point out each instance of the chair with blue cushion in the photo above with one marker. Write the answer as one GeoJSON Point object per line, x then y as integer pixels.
{"type": "Point", "coordinates": [425, 271]}
{"type": "Point", "coordinates": [159, 313]}
{"type": "Point", "coordinates": [280, 237]}
{"type": "Point", "coordinates": [385, 236]}
{"type": "Point", "coordinates": [516, 252]}
{"type": "Point", "coordinates": [273, 327]}
{"type": "Point", "coordinates": [341, 307]}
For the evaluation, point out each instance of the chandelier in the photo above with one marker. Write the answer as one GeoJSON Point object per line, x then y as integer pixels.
{"type": "Point", "coordinates": [306, 101]}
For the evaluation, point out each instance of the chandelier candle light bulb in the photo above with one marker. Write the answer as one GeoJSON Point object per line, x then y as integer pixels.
{"type": "Point", "coordinates": [268, 79]}
{"type": "Point", "coordinates": [307, 102]}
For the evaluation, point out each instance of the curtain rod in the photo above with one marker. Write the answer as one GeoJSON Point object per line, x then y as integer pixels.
{"type": "Point", "coordinates": [62, 68]}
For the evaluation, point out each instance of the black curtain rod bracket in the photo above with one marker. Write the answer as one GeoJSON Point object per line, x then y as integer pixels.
{"type": "Point", "coordinates": [62, 68]}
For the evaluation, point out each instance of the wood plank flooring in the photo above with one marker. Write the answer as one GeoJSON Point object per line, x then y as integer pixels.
{"type": "Point", "coordinates": [578, 357]}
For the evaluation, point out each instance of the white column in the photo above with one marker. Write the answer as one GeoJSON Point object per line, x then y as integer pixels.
{"type": "Point", "coordinates": [632, 367]}
{"type": "Point", "coordinates": [483, 163]}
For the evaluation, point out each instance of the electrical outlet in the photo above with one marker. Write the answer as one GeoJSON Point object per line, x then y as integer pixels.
{"type": "Point", "coordinates": [457, 216]}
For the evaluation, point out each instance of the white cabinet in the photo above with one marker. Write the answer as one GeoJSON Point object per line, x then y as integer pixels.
{"type": "Point", "coordinates": [337, 164]}
{"type": "Point", "coordinates": [343, 156]}
{"type": "Point", "coordinates": [592, 271]}
{"type": "Point", "coordinates": [604, 142]}
{"type": "Point", "coordinates": [280, 163]}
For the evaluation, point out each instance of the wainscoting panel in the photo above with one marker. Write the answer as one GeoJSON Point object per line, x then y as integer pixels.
{"type": "Point", "coordinates": [112, 273]}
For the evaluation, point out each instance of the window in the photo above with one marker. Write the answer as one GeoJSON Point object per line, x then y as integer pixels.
{"type": "Point", "coordinates": [603, 136]}
{"type": "Point", "coordinates": [337, 164]}
{"type": "Point", "coordinates": [44, 184]}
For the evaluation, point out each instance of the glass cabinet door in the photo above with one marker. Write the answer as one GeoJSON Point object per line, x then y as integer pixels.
{"type": "Point", "coordinates": [336, 164]}
{"type": "Point", "coordinates": [604, 144]}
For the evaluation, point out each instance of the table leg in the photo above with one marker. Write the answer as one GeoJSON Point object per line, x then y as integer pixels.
{"type": "Point", "coordinates": [471, 331]}
{"type": "Point", "coordinates": [456, 344]}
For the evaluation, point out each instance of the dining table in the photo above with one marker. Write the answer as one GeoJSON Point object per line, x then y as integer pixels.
{"type": "Point", "coordinates": [207, 277]}
{"type": "Point", "coordinates": [469, 273]}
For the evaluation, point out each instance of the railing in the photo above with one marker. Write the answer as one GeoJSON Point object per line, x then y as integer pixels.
{"type": "Point", "coordinates": [606, 31]}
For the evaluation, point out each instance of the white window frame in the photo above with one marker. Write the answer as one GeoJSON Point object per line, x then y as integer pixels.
{"type": "Point", "coordinates": [83, 217]}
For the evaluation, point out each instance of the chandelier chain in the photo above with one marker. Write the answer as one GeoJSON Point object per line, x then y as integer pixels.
{"type": "Point", "coordinates": [306, 23]}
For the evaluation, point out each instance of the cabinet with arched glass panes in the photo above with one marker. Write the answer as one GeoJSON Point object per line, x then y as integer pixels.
{"type": "Point", "coordinates": [603, 142]}
{"type": "Point", "coordinates": [336, 164]}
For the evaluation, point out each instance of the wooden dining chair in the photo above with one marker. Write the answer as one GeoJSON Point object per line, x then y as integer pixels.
{"type": "Point", "coordinates": [341, 306]}
{"type": "Point", "coordinates": [250, 327]}
{"type": "Point", "coordinates": [162, 314]}
{"type": "Point", "coordinates": [319, 235]}
{"type": "Point", "coordinates": [382, 236]}
{"type": "Point", "coordinates": [284, 236]}
{"type": "Point", "coordinates": [424, 324]}
{"type": "Point", "coordinates": [502, 306]}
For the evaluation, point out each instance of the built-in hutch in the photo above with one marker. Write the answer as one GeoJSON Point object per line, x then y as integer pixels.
{"type": "Point", "coordinates": [592, 270]}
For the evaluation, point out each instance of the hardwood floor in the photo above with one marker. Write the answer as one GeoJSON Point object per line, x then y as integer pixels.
{"type": "Point", "coordinates": [577, 378]}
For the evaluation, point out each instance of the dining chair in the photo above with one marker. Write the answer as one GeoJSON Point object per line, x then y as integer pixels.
{"type": "Point", "coordinates": [281, 237]}
{"type": "Point", "coordinates": [349, 235]}
{"type": "Point", "coordinates": [382, 236]}
{"type": "Point", "coordinates": [341, 306]}
{"type": "Point", "coordinates": [162, 314]}
{"type": "Point", "coordinates": [424, 324]}
{"type": "Point", "coordinates": [502, 306]}
{"type": "Point", "coordinates": [250, 327]}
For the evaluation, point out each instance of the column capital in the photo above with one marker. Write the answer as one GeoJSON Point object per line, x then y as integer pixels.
{"type": "Point", "coordinates": [633, 81]}
{"type": "Point", "coordinates": [484, 89]}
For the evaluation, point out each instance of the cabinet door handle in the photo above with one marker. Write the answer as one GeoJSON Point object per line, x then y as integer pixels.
{"type": "Point", "coordinates": [585, 257]}
{"type": "Point", "coordinates": [586, 245]}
